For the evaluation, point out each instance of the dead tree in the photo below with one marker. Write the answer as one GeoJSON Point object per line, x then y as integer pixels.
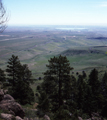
{"type": "Point", "coordinates": [3, 17]}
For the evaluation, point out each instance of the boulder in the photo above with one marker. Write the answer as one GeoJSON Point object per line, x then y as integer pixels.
{"type": "Point", "coordinates": [18, 118]}
{"type": "Point", "coordinates": [8, 97]}
{"type": "Point", "coordinates": [8, 103]}
{"type": "Point", "coordinates": [79, 118]}
{"type": "Point", "coordinates": [5, 91]}
{"type": "Point", "coordinates": [26, 118]}
{"type": "Point", "coordinates": [11, 112]}
{"type": "Point", "coordinates": [6, 116]}
{"type": "Point", "coordinates": [46, 117]}
{"type": "Point", "coordinates": [13, 107]}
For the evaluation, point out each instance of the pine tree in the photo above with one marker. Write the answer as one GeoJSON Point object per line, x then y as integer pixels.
{"type": "Point", "coordinates": [25, 74]}
{"type": "Point", "coordinates": [19, 78]}
{"type": "Point", "coordinates": [22, 92]}
{"type": "Point", "coordinates": [44, 105]}
{"type": "Point", "coordinates": [56, 84]}
{"type": "Point", "coordinates": [84, 74]}
{"type": "Point", "coordinates": [59, 69]}
{"type": "Point", "coordinates": [72, 92]}
{"type": "Point", "coordinates": [2, 76]}
{"type": "Point", "coordinates": [94, 84]}
{"type": "Point", "coordinates": [88, 101]}
{"type": "Point", "coordinates": [104, 85]}
{"type": "Point", "coordinates": [81, 86]}
{"type": "Point", "coordinates": [13, 69]}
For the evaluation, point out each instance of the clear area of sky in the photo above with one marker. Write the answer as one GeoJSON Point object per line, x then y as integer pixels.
{"type": "Point", "coordinates": [56, 12]}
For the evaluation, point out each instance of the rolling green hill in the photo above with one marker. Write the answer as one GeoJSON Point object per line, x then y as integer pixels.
{"type": "Point", "coordinates": [35, 47]}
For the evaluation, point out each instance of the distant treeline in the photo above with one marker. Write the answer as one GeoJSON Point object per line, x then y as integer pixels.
{"type": "Point", "coordinates": [98, 38]}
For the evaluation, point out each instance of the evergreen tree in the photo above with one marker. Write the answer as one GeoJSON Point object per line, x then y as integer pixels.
{"type": "Point", "coordinates": [104, 85]}
{"type": "Point", "coordinates": [13, 69]}
{"type": "Point", "coordinates": [73, 93]}
{"type": "Point", "coordinates": [94, 84]}
{"type": "Point", "coordinates": [104, 93]}
{"type": "Point", "coordinates": [81, 86]}
{"type": "Point", "coordinates": [2, 76]}
{"type": "Point", "coordinates": [56, 84]}
{"type": "Point", "coordinates": [88, 101]}
{"type": "Point", "coordinates": [84, 74]}
{"type": "Point", "coordinates": [16, 71]}
{"type": "Point", "coordinates": [19, 77]}
{"type": "Point", "coordinates": [22, 93]}
{"type": "Point", "coordinates": [44, 105]}
{"type": "Point", "coordinates": [25, 74]}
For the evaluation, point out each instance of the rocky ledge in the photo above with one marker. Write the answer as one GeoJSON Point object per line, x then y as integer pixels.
{"type": "Point", "coordinates": [12, 109]}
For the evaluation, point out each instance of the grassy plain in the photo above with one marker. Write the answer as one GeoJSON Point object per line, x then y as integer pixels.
{"type": "Point", "coordinates": [83, 47]}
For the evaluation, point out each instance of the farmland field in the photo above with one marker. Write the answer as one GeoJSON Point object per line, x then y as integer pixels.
{"type": "Point", "coordinates": [85, 48]}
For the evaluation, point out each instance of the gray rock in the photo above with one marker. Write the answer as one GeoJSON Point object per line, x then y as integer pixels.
{"type": "Point", "coordinates": [8, 97]}
{"type": "Point", "coordinates": [5, 91]}
{"type": "Point", "coordinates": [79, 118]}
{"type": "Point", "coordinates": [13, 107]}
{"type": "Point", "coordinates": [18, 118]}
{"type": "Point", "coordinates": [8, 103]}
{"type": "Point", "coordinates": [6, 116]}
{"type": "Point", "coordinates": [46, 117]}
{"type": "Point", "coordinates": [11, 112]}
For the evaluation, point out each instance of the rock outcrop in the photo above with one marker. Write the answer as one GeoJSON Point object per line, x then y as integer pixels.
{"type": "Point", "coordinates": [8, 97]}
{"type": "Point", "coordinates": [46, 117]}
{"type": "Point", "coordinates": [9, 117]}
{"type": "Point", "coordinates": [13, 107]}
{"type": "Point", "coordinates": [79, 118]}
{"type": "Point", "coordinates": [13, 110]}
{"type": "Point", "coordinates": [7, 103]}
{"type": "Point", "coordinates": [6, 116]}
{"type": "Point", "coordinates": [18, 118]}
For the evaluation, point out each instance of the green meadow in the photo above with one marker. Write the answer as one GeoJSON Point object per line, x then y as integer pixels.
{"type": "Point", "coordinates": [85, 49]}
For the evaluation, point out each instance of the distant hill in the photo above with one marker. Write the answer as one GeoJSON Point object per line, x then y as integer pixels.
{"type": "Point", "coordinates": [99, 38]}
{"type": "Point", "coordinates": [71, 52]}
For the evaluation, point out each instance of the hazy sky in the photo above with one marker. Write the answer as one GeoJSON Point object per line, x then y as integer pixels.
{"type": "Point", "coordinates": [56, 12]}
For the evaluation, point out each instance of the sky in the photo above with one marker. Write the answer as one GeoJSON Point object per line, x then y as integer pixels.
{"type": "Point", "coordinates": [56, 12]}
